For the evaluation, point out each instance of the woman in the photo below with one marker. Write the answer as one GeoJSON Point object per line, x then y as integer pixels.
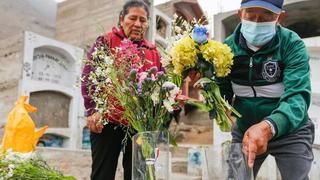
{"type": "Point", "coordinates": [106, 141]}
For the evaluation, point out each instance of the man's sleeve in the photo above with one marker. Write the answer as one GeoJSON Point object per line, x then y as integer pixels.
{"type": "Point", "coordinates": [293, 106]}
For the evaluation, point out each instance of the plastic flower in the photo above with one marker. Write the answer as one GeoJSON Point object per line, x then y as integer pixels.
{"type": "Point", "coordinates": [200, 34]}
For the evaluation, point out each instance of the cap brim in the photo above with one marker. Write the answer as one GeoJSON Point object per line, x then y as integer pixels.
{"type": "Point", "coordinates": [261, 4]}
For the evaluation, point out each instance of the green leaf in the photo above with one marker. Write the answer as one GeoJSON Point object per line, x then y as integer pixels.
{"type": "Point", "coordinates": [214, 101]}
{"type": "Point", "coordinates": [171, 138]}
{"type": "Point", "coordinates": [201, 106]}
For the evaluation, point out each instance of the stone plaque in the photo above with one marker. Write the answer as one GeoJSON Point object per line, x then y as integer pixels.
{"type": "Point", "coordinates": [52, 67]}
{"type": "Point", "coordinates": [53, 109]}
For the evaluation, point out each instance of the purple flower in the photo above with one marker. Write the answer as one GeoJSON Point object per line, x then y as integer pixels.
{"type": "Point", "coordinates": [139, 89]}
{"type": "Point", "coordinates": [160, 73]}
{"type": "Point", "coordinates": [200, 34]}
{"type": "Point", "coordinates": [148, 79]}
{"type": "Point", "coordinates": [168, 86]}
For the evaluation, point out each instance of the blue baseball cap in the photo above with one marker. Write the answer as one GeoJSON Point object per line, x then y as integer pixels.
{"type": "Point", "coordinates": [271, 5]}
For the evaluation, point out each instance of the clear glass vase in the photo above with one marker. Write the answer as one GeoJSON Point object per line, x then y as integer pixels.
{"type": "Point", "coordinates": [227, 161]}
{"type": "Point", "coordinates": [150, 156]}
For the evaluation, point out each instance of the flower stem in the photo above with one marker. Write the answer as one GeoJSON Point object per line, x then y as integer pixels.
{"type": "Point", "coordinates": [151, 172]}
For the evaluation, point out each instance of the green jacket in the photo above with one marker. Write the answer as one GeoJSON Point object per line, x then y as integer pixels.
{"type": "Point", "coordinates": [272, 83]}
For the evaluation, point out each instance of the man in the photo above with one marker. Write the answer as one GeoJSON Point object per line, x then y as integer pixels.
{"type": "Point", "coordinates": [271, 83]}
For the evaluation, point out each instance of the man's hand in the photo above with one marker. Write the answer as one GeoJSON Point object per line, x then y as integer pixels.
{"type": "Point", "coordinates": [255, 141]}
{"type": "Point", "coordinates": [94, 123]}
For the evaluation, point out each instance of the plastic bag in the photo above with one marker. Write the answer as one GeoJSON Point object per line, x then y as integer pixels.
{"type": "Point", "coordinates": [20, 135]}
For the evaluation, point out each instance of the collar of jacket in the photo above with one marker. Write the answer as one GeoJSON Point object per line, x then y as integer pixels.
{"type": "Point", "coordinates": [239, 46]}
{"type": "Point", "coordinates": [143, 43]}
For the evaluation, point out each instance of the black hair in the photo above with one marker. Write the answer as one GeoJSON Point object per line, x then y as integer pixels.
{"type": "Point", "coordinates": [134, 3]}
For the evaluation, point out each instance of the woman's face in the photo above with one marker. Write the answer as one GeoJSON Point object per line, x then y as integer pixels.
{"type": "Point", "coordinates": [135, 23]}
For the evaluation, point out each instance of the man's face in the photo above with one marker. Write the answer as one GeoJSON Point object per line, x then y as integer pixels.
{"type": "Point", "coordinates": [256, 14]}
{"type": "Point", "coordinates": [135, 23]}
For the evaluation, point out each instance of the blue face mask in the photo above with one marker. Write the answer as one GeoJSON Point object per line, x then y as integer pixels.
{"type": "Point", "coordinates": [258, 34]}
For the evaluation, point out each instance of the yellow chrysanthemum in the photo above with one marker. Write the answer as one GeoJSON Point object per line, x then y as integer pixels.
{"type": "Point", "coordinates": [183, 54]}
{"type": "Point", "coordinates": [220, 55]}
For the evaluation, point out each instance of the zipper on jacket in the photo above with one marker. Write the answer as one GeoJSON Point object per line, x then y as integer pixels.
{"type": "Point", "coordinates": [250, 69]}
{"type": "Point", "coordinates": [250, 75]}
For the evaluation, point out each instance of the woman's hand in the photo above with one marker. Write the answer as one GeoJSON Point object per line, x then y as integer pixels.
{"type": "Point", "coordinates": [94, 123]}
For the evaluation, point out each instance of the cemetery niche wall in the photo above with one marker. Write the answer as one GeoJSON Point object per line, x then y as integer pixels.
{"type": "Point", "coordinates": [48, 71]}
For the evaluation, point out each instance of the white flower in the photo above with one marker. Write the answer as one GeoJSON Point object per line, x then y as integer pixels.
{"type": "Point", "coordinates": [155, 95]}
{"type": "Point", "coordinates": [185, 24]}
{"type": "Point", "coordinates": [11, 156]}
{"type": "Point", "coordinates": [108, 80]}
{"type": "Point", "coordinates": [97, 89]}
{"type": "Point", "coordinates": [10, 174]}
{"type": "Point", "coordinates": [17, 156]}
{"type": "Point", "coordinates": [101, 56]}
{"type": "Point", "coordinates": [178, 37]}
{"type": "Point", "coordinates": [165, 61]}
{"type": "Point", "coordinates": [167, 105]}
{"type": "Point", "coordinates": [11, 166]}
{"type": "Point", "coordinates": [173, 93]}
{"type": "Point", "coordinates": [175, 16]}
{"type": "Point", "coordinates": [178, 29]}
{"type": "Point", "coordinates": [172, 89]}
{"type": "Point", "coordinates": [108, 60]}
{"type": "Point", "coordinates": [27, 156]}
{"type": "Point", "coordinates": [98, 71]}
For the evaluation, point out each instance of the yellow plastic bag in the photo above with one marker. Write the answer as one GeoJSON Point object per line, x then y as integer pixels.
{"type": "Point", "coordinates": [20, 135]}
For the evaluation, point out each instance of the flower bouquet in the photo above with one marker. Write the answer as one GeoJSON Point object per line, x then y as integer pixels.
{"type": "Point", "coordinates": [142, 100]}
{"type": "Point", "coordinates": [17, 165]}
{"type": "Point", "coordinates": [18, 159]}
{"type": "Point", "coordinates": [191, 51]}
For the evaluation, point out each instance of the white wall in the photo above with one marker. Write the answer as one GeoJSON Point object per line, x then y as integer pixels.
{"type": "Point", "coordinates": [313, 45]}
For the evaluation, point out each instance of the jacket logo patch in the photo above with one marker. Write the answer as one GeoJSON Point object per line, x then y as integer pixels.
{"type": "Point", "coordinates": [270, 70]}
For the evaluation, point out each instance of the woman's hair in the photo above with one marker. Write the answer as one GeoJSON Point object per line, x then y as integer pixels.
{"type": "Point", "coordinates": [134, 3]}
